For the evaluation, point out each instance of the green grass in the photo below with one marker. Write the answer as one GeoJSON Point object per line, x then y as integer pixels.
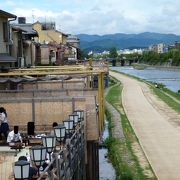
{"type": "Point", "coordinates": [175, 95]}
{"type": "Point", "coordinates": [116, 93]}
{"type": "Point", "coordinates": [120, 150]}
{"type": "Point", "coordinates": [166, 95]}
{"type": "Point", "coordinates": [168, 100]}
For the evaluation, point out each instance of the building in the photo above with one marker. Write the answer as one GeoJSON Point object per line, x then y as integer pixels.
{"type": "Point", "coordinates": [177, 44]}
{"type": "Point", "coordinates": [158, 48]}
{"type": "Point", "coordinates": [52, 44]}
{"type": "Point", "coordinates": [47, 33]}
{"type": "Point", "coordinates": [73, 41]}
{"type": "Point", "coordinates": [73, 44]}
{"type": "Point", "coordinates": [24, 47]}
{"type": "Point", "coordinates": [6, 60]}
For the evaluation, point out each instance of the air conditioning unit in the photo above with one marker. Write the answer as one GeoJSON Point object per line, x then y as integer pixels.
{"type": "Point", "coordinates": [21, 62]}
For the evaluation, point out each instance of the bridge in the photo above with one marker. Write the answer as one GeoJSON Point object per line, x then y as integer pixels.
{"type": "Point", "coordinates": [123, 61]}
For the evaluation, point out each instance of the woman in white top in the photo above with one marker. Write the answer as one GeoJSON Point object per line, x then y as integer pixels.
{"type": "Point", "coordinates": [4, 127]}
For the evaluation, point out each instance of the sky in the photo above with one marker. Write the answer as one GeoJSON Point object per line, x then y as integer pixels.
{"type": "Point", "coordinates": [100, 16]}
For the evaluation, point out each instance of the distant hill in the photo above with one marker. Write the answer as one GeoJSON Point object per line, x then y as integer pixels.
{"type": "Point", "coordinates": [120, 41]}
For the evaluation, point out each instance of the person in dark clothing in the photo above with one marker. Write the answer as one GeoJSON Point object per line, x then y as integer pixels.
{"type": "Point", "coordinates": [4, 127]}
{"type": "Point", "coordinates": [53, 125]}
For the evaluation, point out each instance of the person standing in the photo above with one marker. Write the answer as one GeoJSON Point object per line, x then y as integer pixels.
{"type": "Point", "coordinates": [4, 127]}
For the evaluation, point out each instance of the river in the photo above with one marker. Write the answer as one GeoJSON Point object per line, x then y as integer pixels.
{"type": "Point", "coordinates": [170, 78]}
{"type": "Point", "coordinates": [106, 170]}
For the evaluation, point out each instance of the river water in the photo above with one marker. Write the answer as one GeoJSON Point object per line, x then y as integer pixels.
{"type": "Point", "coordinates": [170, 78]}
{"type": "Point", "coordinates": [106, 170]}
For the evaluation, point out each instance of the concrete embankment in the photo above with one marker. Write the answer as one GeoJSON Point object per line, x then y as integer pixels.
{"type": "Point", "coordinates": [164, 67]}
{"type": "Point", "coordinates": [117, 131]}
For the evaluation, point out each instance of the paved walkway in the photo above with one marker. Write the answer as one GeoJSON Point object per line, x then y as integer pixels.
{"type": "Point", "coordinates": [156, 125]}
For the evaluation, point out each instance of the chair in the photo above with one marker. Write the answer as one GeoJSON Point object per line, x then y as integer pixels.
{"type": "Point", "coordinates": [30, 128]}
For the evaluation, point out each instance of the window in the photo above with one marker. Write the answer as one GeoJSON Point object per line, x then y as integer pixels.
{"type": "Point", "coordinates": [5, 31]}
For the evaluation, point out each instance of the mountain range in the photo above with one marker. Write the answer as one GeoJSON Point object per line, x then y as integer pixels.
{"type": "Point", "coordinates": [99, 43]}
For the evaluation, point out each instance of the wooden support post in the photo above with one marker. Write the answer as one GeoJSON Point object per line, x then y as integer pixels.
{"type": "Point", "coordinates": [88, 83]}
{"type": "Point", "coordinates": [33, 108]}
{"type": "Point", "coordinates": [101, 100]}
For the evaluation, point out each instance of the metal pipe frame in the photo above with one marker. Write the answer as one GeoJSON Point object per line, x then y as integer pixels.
{"type": "Point", "coordinates": [99, 72]}
{"type": "Point", "coordinates": [40, 73]}
{"type": "Point", "coordinates": [41, 68]}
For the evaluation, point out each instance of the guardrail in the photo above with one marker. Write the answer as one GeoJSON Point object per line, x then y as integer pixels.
{"type": "Point", "coordinates": [69, 162]}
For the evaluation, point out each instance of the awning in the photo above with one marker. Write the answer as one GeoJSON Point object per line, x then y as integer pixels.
{"type": "Point", "coordinates": [17, 79]}
{"type": "Point", "coordinates": [32, 79]}
{"type": "Point", "coordinates": [7, 58]}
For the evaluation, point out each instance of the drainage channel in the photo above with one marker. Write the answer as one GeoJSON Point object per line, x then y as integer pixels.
{"type": "Point", "coordinates": [106, 170]}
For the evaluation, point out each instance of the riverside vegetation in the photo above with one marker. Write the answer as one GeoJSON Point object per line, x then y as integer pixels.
{"type": "Point", "coordinates": [172, 57]}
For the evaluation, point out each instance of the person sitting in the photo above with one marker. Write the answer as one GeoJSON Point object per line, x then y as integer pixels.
{"type": "Point", "coordinates": [14, 138]}
{"type": "Point", "coordinates": [4, 127]}
{"type": "Point", "coordinates": [33, 171]}
{"type": "Point", "coordinates": [45, 175]}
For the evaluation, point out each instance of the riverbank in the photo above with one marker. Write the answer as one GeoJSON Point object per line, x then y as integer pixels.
{"type": "Point", "coordinates": [172, 99]}
{"type": "Point", "coordinates": [141, 66]}
{"type": "Point", "coordinates": [169, 78]}
{"type": "Point", "coordinates": [155, 125]}
{"type": "Point", "coordinates": [124, 149]}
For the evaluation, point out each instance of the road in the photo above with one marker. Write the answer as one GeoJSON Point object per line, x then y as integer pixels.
{"type": "Point", "coordinates": [156, 125]}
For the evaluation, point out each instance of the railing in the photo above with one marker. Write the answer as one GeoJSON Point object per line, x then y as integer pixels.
{"type": "Point", "coordinates": [69, 162]}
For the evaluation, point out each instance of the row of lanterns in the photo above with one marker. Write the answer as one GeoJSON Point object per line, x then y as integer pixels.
{"type": "Point", "coordinates": [38, 152]}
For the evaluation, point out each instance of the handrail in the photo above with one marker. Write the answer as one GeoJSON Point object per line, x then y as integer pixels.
{"type": "Point", "coordinates": [58, 156]}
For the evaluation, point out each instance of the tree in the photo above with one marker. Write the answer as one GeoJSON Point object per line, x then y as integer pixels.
{"type": "Point", "coordinates": [113, 53]}
{"type": "Point", "coordinates": [82, 54]}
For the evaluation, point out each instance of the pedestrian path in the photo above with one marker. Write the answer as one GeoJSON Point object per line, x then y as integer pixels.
{"type": "Point", "coordinates": [159, 138]}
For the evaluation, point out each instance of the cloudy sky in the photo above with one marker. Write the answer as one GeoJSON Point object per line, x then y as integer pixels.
{"type": "Point", "coordinates": [101, 16]}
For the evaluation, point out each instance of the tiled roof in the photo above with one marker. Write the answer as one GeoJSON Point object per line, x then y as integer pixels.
{"type": "Point", "coordinates": [7, 58]}
{"type": "Point", "coordinates": [6, 14]}
{"type": "Point", "coordinates": [27, 28]}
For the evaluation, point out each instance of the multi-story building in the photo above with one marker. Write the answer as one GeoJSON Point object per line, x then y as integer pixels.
{"type": "Point", "coordinates": [158, 48]}
{"type": "Point", "coordinates": [47, 33]}
{"type": "Point", "coordinates": [73, 41]}
{"type": "Point", "coordinates": [177, 44]}
{"type": "Point", "coordinates": [52, 40]}
{"type": "Point", "coordinates": [24, 47]}
{"type": "Point", "coordinates": [6, 60]}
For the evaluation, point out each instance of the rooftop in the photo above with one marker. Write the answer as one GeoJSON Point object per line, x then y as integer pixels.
{"type": "Point", "coordinates": [5, 14]}
{"type": "Point", "coordinates": [27, 28]}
